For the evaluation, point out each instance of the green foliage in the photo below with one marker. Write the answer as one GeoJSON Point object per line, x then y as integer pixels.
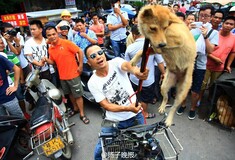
{"type": "Point", "coordinates": [138, 5]}
{"type": "Point", "coordinates": [10, 6]}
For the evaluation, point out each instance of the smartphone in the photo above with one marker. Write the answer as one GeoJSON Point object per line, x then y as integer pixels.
{"type": "Point", "coordinates": [198, 24]}
{"type": "Point", "coordinates": [116, 5]}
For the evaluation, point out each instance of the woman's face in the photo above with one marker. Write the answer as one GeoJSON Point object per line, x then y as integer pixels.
{"type": "Point", "coordinates": [2, 45]}
{"type": "Point", "coordinates": [189, 19]}
{"type": "Point", "coordinates": [64, 30]}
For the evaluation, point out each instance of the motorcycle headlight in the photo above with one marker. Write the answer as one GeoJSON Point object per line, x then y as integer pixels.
{"type": "Point", "coordinates": [55, 95]}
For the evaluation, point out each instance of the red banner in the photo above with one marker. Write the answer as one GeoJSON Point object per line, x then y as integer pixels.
{"type": "Point", "coordinates": [18, 19]}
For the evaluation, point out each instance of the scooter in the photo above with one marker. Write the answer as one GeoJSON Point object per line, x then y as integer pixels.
{"type": "Point", "coordinates": [49, 124]}
{"type": "Point", "coordinates": [14, 139]}
{"type": "Point", "coordinates": [87, 73]}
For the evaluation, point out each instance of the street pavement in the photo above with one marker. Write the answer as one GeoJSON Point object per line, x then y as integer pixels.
{"type": "Point", "coordinates": [200, 139]}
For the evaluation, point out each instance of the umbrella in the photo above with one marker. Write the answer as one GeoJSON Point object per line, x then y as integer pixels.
{"type": "Point", "coordinates": [222, 2]}
{"type": "Point", "coordinates": [130, 13]}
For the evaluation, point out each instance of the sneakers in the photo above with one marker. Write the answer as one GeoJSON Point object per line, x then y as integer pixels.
{"type": "Point", "coordinates": [191, 115]}
{"type": "Point", "coordinates": [180, 111]}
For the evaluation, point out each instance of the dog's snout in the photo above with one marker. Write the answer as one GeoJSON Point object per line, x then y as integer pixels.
{"type": "Point", "coordinates": [162, 45]}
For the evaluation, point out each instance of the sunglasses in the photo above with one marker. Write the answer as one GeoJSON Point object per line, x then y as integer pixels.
{"type": "Point", "coordinates": [64, 27]}
{"type": "Point", "coordinates": [93, 55]}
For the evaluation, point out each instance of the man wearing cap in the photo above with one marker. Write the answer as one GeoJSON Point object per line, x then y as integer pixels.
{"type": "Point", "coordinates": [66, 16]}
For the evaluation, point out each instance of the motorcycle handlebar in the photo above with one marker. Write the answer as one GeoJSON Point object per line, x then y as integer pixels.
{"type": "Point", "coordinates": [26, 89]}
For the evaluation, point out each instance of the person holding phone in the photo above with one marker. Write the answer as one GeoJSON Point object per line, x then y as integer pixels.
{"type": "Point", "coordinates": [206, 39]}
{"type": "Point", "coordinates": [117, 22]}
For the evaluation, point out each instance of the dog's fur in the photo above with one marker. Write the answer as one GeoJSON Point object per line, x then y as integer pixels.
{"type": "Point", "coordinates": [225, 111]}
{"type": "Point", "coordinates": [170, 37]}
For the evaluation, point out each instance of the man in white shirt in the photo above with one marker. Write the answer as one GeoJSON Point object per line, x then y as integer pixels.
{"type": "Point", "coordinates": [113, 91]}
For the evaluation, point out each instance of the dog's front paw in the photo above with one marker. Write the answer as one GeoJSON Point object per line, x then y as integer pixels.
{"type": "Point", "coordinates": [168, 121]}
{"type": "Point", "coordinates": [161, 110]}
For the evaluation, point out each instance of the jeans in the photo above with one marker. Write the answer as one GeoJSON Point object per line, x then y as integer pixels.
{"type": "Point", "coordinates": [121, 125]}
{"type": "Point", "coordinates": [12, 107]}
{"type": "Point", "coordinates": [119, 47]}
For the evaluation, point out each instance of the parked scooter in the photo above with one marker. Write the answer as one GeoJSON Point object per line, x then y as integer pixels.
{"type": "Point", "coordinates": [14, 140]}
{"type": "Point", "coordinates": [87, 73]}
{"type": "Point", "coordinates": [49, 123]}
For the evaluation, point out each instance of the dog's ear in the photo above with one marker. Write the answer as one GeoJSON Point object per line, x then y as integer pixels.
{"type": "Point", "coordinates": [148, 13]}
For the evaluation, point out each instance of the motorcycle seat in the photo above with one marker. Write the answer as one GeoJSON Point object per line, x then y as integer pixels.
{"type": "Point", "coordinates": [141, 128]}
{"type": "Point", "coordinates": [42, 112]}
{"type": "Point", "coordinates": [87, 71]}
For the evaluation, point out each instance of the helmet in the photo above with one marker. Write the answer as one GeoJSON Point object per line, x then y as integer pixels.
{"type": "Point", "coordinates": [65, 13]}
{"type": "Point", "coordinates": [232, 9]}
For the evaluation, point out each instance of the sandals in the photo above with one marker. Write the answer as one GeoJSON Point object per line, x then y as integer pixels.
{"type": "Point", "coordinates": [72, 113]}
{"type": "Point", "coordinates": [151, 115]}
{"type": "Point", "coordinates": [85, 119]}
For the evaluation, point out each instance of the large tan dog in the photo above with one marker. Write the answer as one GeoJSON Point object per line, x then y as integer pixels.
{"type": "Point", "coordinates": [170, 37]}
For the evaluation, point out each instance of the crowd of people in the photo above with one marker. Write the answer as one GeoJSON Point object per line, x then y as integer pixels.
{"type": "Point", "coordinates": [61, 51]}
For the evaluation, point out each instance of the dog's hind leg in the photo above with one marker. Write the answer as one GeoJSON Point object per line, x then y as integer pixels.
{"type": "Point", "coordinates": [168, 82]}
{"type": "Point", "coordinates": [183, 85]}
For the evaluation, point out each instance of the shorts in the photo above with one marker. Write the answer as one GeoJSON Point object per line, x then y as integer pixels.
{"type": "Point", "coordinates": [147, 94]}
{"type": "Point", "coordinates": [198, 76]}
{"type": "Point", "coordinates": [73, 86]}
{"type": "Point", "coordinates": [209, 78]}
{"type": "Point", "coordinates": [45, 75]}
{"type": "Point", "coordinates": [26, 71]}
{"type": "Point", "coordinates": [20, 92]}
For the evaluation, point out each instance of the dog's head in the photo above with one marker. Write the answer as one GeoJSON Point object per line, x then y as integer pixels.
{"type": "Point", "coordinates": [153, 21]}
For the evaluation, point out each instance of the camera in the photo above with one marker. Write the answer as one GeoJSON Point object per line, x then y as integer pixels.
{"type": "Point", "coordinates": [12, 32]}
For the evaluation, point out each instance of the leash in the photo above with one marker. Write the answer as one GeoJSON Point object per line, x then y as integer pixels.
{"type": "Point", "coordinates": [145, 56]}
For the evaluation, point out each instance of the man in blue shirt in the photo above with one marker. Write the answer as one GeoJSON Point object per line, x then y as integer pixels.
{"type": "Point", "coordinates": [8, 100]}
{"type": "Point", "coordinates": [84, 37]}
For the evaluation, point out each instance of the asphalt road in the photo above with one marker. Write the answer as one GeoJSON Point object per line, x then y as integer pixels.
{"type": "Point", "coordinates": [200, 140]}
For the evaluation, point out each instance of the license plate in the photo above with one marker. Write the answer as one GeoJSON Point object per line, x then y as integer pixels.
{"type": "Point", "coordinates": [52, 146]}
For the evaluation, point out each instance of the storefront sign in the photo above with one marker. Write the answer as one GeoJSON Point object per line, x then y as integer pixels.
{"type": "Point", "coordinates": [19, 19]}
{"type": "Point", "coordinates": [70, 2]}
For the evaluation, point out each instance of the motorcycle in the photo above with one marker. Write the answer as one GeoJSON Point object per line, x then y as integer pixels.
{"type": "Point", "coordinates": [49, 124]}
{"type": "Point", "coordinates": [87, 73]}
{"type": "Point", "coordinates": [14, 139]}
{"type": "Point", "coordinates": [145, 142]}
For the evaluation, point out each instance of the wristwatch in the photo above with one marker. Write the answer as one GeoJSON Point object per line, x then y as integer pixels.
{"type": "Point", "coordinates": [206, 37]}
{"type": "Point", "coordinates": [17, 45]}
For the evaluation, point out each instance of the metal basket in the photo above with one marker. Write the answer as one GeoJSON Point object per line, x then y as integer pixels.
{"type": "Point", "coordinates": [170, 145]}
{"type": "Point", "coordinates": [39, 139]}
{"type": "Point", "coordinates": [115, 148]}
